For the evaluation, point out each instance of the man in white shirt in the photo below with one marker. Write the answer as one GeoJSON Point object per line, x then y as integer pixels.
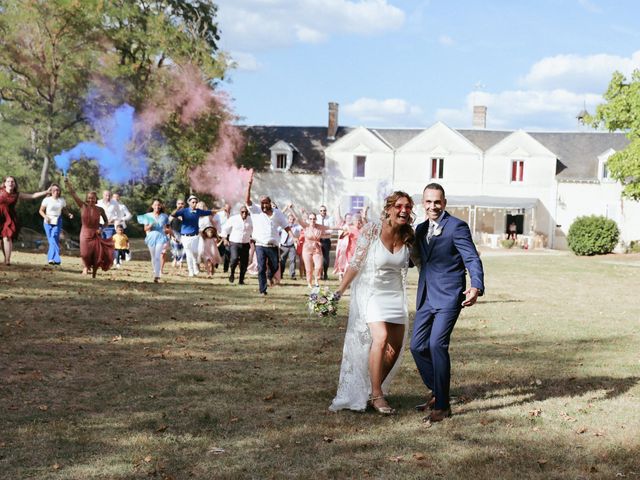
{"type": "Point", "coordinates": [112, 209]}
{"type": "Point", "coordinates": [266, 221]}
{"type": "Point", "coordinates": [288, 246]}
{"type": "Point", "coordinates": [125, 214]}
{"type": "Point", "coordinates": [325, 239]}
{"type": "Point", "coordinates": [222, 216]}
{"type": "Point", "coordinates": [237, 237]}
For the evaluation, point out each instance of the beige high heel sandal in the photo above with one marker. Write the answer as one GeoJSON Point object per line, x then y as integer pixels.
{"type": "Point", "coordinates": [386, 410]}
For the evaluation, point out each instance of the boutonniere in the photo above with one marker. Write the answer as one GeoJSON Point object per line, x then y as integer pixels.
{"type": "Point", "coordinates": [437, 232]}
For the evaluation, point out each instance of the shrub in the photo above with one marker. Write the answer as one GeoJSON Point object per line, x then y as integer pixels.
{"type": "Point", "coordinates": [507, 243]}
{"type": "Point", "coordinates": [634, 246]}
{"type": "Point", "coordinates": [593, 235]}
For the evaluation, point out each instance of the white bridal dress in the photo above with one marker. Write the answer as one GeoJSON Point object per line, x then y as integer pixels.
{"type": "Point", "coordinates": [378, 293]}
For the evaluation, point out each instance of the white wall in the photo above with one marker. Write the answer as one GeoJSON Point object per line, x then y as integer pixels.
{"type": "Point", "coordinates": [580, 199]}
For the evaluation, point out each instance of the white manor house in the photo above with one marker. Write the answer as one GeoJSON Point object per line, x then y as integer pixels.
{"type": "Point", "coordinates": [541, 181]}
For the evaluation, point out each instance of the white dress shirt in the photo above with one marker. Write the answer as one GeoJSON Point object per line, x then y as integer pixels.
{"type": "Point", "coordinates": [265, 227]}
{"type": "Point", "coordinates": [112, 211]}
{"type": "Point", "coordinates": [125, 215]}
{"type": "Point", "coordinates": [327, 222]}
{"type": "Point", "coordinates": [238, 229]}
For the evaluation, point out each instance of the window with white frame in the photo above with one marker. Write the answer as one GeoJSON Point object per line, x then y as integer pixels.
{"type": "Point", "coordinates": [281, 161]}
{"type": "Point", "coordinates": [517, 171]}
{"type": "Point", "coordinates": [437, 168]}
{"type": "Point", "coordinates": [359, 163]}
{"type": "Point", "coordinates": [605, 171]}
{"type": "Point", "coordinates": [357, 203]}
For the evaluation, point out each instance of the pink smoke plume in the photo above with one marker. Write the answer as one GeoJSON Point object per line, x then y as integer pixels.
{"type": "Point", "coordinates": [219, 175]}
{"type": "Point", "coordinates": [184, 91]}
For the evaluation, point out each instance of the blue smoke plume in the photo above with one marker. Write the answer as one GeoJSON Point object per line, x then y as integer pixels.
{"type": "Point", "coordinates": [119, 158]}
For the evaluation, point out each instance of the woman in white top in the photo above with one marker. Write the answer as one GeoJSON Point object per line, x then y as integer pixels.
{"type": "Point", "coordinates": [51, 210]}
{"type": "Point", "coordinates": [378, 317]}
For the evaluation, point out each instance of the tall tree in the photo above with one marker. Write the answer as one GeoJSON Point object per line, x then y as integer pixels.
{"type": "Point", "coordinates": [622, 112]}
{"type": "Point", "coordinates": [48, 50]}
{"type": "Point", "coordinates": [153, 36]}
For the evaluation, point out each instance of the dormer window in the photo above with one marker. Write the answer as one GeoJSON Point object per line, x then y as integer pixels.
{"type": "Point", "coordinates": [281, 156]}
{"type": "Point", "coordinates": [604, 175]}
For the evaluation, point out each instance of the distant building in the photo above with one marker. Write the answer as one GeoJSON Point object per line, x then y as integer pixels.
{"type": "Point", "coordinates": [541, 181]}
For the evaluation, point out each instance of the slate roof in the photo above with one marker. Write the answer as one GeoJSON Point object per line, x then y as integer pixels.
{"type": "Point", "coordinates": [577, 151]}
{"type": "Point", "coordinates": [308, 142]}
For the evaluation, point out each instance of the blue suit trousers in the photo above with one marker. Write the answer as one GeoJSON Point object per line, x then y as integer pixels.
{"type": "Point", "coordinates": [430, 349]}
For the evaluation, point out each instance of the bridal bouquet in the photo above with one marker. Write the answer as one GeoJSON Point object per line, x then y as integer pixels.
{"type": "Point", "coordinates": [323, 302]}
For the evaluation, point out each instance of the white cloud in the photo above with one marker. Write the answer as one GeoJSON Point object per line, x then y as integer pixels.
{"type": "Point", "coordinates": [388, 112]}
{"type": "Point", "coordinates": [309, 35]}
{"type": "Point", "coordinates": [445, 40]}
{"type": "Point", "coordinates": [590, 6]}
{"type": "Point", "coordinates": [261, 24]}
{"type": "Point", "coordinates": [527, 109]}
{"type": "Point", "coordinates": [245, 61]}
{"type": "Point", "coordinates": [578, 73]}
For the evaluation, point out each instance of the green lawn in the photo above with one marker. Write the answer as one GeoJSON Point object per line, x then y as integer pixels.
{"type": "Point", "coordinates": [120, 378]}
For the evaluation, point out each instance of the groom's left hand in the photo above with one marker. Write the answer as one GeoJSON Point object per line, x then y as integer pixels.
{"type": "Point", "coordinates": [471, 295]}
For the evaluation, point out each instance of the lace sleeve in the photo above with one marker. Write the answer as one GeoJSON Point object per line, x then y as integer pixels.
{"type": "Point", "coordinates": [368, 233]}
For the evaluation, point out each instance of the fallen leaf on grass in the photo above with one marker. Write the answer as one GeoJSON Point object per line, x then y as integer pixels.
{"type": "Point", "coordinates": [581, 430]}
{"type": "Point", "coordinates": [567, 418]}
{"type": "Point", "coordinates": [147, 459]}
{"type": "Point", "coordinates": [395, 459]}
{"type": "Point", "coordinates": [161, 428]}
{"type": "Point", "coordinates": [598, 434]}
{"type": "Point", "coordinates": [269, 397]}
{"type": "Point", "coordinates": [116, 338]}
{"type": "Point", "coordinates": [535, 413]}
{"type": "Point", "coordinates": [327, 439]}
{"type": "Point", "coordinates": [216, 450]}
{"type": "Point", "coordinates": [44, 408]}
{"type": "Point", "coordinates": [234, 419]}
{"type": "Point", "coordinates": [542, 461]}
{"type": "Point", "coordinates": [56, 466]}
{"type": "Point", "coordinates": [419, 456]}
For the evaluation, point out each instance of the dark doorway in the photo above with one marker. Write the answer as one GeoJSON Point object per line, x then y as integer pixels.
{"type": "Point", "coordinates": [518, 220]}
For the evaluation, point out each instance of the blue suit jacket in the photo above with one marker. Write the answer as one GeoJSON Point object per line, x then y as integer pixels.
{"type": "Point", "coordinates": [443, 262]}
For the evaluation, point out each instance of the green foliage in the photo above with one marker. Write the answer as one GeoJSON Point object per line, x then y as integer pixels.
{"type": "Point", "coordinates": [634, 246]}
{"type": "Point", "coordinates": [622, 112]}
{"type": "Point", "coordinates": [53, 52]}
{"type": "Point", "coordinates": [593, 235]}
{"type": "Point", "coordinates": [507, 243]}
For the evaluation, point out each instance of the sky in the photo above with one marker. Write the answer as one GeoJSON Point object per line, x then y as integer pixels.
{"type": "Point", "coordinates": [535, 64]}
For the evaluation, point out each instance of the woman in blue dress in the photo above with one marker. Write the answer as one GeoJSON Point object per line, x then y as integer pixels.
{"type": "Point", "coordinates": [156, 226]}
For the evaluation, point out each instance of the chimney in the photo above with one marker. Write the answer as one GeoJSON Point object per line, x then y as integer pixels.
{"type": "Point", "coordinates": [333, 121]}
{"type": "Point", "coordinates": [479, 116]}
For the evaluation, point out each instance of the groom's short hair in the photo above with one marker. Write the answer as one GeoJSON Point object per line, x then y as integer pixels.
{"type": "Point", "coordinates": [434, 186]}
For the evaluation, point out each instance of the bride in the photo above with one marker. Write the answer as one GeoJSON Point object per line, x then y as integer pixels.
{"type": "Point", "coordinates": [378, 316]}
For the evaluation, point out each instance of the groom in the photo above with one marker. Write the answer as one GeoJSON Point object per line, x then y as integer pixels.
{"type": "Point", "coordinates": [443, 250]}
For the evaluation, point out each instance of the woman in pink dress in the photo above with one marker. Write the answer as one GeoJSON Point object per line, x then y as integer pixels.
{"type": "Point", "coordinates": [359, 220]}
{"type": "Point", "coordinates": [342, 247]}
{"type": "Point", "coordinates": [312, 249]}
{"type": "Point", "coordinates": [9, 226]}
{"type": "Point", "coordinates": [95, 251]}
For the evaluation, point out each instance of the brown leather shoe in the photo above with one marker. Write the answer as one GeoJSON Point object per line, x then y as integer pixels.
{"type": "Point", "coordinates": [428, 405]}
{"type": "Point", "coordinates": [437, 415]}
